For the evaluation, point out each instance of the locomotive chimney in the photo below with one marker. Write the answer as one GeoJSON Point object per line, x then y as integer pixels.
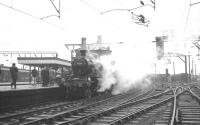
{"type": "Point", "coordinates": [83, 44]}
{"type": "Point", "coordinates": [83, 47]}
{"type": "Point", "coordinates": [99, 39]}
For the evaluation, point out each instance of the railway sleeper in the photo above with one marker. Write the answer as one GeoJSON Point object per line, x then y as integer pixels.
{"type": "Point", "coordinates": [83, 114]}
{"type": "Point", "coordinates": [191, 118]}
{"type": "Point", "coordinates": [191, 113]}
{"type": "Point", "coordinates": [162, 122]}
{"type": "Point", "coordinates": [190, 122]}
{"type": "Point", "coordinates": [136, 115]}
{"type": "Point", "coordinates": [74, 113]}
{"type": "Point", "coordinates": [118, 115]}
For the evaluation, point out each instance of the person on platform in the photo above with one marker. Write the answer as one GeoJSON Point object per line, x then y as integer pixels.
{"type": "Point", "coordinates": [58, 76]}
{"type": "Point", "coordinates": [45, 76]}
{"type": "Point", "coordinates": [14, 73]}
{"type": "Point", "coordinates": [0, 69]}
{"type": "Point", "coordinates": [34, 75]}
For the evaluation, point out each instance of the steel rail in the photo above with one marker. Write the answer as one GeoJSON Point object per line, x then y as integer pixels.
{"type": "Point", "coordinates": [72, 111]}
{"type": "Point", "coordinates": [36, 110]}
{"type": "Point", "coordinates": [175, 106]}
{"type": "Point", "coordinates": [175, 111]}
{"type": "Point", "coordinates": [194, 95]}
{"type": "Point", "coordinates": [51, 106]}
{"type": "Point", "coordinates": [40, 109]}
{"type": "Point", "coordinates": [131, 115]}
{"type": "Point", "coordinates": [54, 106]}
{"type": "Point", "coordinates": [102, 112]}
{"type": "Point", "coordinates": [191, 107]}
{"type": "Point", "coordinates": [143, 110]}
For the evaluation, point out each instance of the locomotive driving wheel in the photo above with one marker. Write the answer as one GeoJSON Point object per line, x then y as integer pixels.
{"type": "Point", "coordinates": [88, 93]}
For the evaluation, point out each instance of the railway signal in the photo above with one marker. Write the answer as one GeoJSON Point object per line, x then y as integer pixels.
{"type": "Point", "coordinates": [160, 46]}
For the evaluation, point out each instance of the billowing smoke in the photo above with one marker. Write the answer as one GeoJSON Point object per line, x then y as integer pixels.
{"type": "Point", "coordinates": [126, 68]}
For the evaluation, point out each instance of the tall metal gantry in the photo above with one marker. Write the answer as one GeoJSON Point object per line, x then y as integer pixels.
{"type": "Point", "coordinates": [93, 47]}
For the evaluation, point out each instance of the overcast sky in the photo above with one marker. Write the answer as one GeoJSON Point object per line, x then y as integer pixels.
{"type": "Point", "coordinates": [82, 18]}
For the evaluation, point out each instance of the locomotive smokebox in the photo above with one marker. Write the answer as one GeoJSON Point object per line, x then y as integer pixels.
{"type": "Point", "coordinates": [83, 49]}
{"type": "Point", "coordinates": [83, 53]}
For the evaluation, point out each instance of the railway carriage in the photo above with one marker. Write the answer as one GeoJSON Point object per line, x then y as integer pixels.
{"type": "Point", "coordinates": [23, 75]}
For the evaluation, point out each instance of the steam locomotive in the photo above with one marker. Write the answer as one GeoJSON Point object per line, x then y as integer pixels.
{"type": "Point", "coordinates": [84, 81]}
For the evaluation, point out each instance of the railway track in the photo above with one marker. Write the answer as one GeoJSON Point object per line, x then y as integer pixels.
{"type": "Point", "coordinates": [45, 106]}
{"type": "Point", "coordinates": [189, 108]}
{"type": "Point", "coordinates": [84, 112]}
{"type": "Point", "coordinates": [42, 113]}
{"type": "Point", "coordinates": [138, 112]}
{"type": "Point", "coordinates": [180, 106]}
{"type": "Point", "coordinates": [196, 90]}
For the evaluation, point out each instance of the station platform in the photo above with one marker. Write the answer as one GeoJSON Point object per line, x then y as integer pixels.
{"type": "Point", "coordinates": [28, 94]}
{"type": "Point", "coordinates": [22, 85]}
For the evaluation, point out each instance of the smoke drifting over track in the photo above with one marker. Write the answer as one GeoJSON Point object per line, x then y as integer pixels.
{"type": "Point", "coordinates": [126, 68]}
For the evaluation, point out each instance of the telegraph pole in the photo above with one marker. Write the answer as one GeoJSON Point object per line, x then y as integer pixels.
{"type": "Point", "coordinates": [186, 68]}
{"type": "Point", "coordinates": [192, 70]}
{"type": "Point", "coordinates": [155, 71]}
{"type": "Point", "coordinates": [189, 68]}
{"type": "Point", "coordinates": [174, 68]}
{"type": "Point", "coordinates": [195, 71]}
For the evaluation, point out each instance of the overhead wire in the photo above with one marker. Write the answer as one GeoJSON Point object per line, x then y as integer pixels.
{"type": "Point", "coordinates": [11, 3]}
{"type": "Point", "coordinates": [194, 3]}
{"type": "Point", "coordinates": [97, 11]}
{"type": "Point", "coordinates": [35, 17]}
{"type": "Point", "coordinates": [132, 9]}
{"type": "Point", "coordinates": [184, 7]}
{"type": "Point", "coordinates": [187, 18]}
{"type": "Point", "coordinates": [119, 2]}
{"type": "Point", "coordinates": [94, 9]}
{"type": "Point", "coordinates": [121, 9]}
{"type": "Point", "coordinates": [18, 10]}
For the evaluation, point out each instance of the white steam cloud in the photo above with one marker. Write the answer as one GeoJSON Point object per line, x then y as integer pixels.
{"type": "Point", "coordinates": [127, 67]}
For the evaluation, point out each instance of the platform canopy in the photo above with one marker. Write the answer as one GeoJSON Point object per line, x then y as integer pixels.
{"type": "Point", "coordinates": [44, 61]}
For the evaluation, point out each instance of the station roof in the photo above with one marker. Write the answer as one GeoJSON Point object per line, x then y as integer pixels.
{"type": "Point", "coordinates": [44, 61]}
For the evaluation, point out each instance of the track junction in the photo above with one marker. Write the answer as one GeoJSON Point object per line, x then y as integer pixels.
{"type": "Point", "coordinates": [179, 104]}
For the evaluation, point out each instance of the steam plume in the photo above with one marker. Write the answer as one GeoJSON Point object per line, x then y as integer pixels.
{"type": "Point", "coordinates": [126, 68]}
